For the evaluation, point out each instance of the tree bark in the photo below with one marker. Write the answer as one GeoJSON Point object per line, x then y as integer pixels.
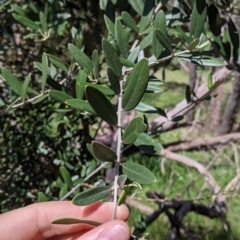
{"type": "Point", "coordinates": [231, 108]}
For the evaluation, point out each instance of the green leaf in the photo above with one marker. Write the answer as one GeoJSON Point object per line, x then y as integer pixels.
{"type": "Point", "coordinates": [157, 46]}
{"type": "Point", "coordinates": [103, 152]}
{"type": "Point", "coordinates": [63, 190]}
{"type": "Point", "coordinates": [128, 20]}
{"type": "Point", "coordinates": [80, 57]}
{"type": "Point", "coordinates": [59, 95]}
{"type": "Point", "coordinates": [42, 197]}
{"type": "Point", "coordinates": [110, 25]}
{"type": "Point", "coordinates": [39, 99]}
{"type": "Point", "coordinates": [80, 104]}
{"type": "Point", "coordinates": [114, 80]}
{"type": "Point", "coordinates": [163, 39]}
{"type": "Point", "coordinates": [121, 38]}
{"type": "Point", "coordinates": [146, 41]}
{"type": "Point", "coordinates": [136, 86]}
{"type": "Point", "coordinates": [146, 143]}
{"type": "Point", "coordinates": [147, 14]}
{"type": "Point", "coordinates": [145, 108]}
{"type": "Point", "coordinates": [154, 87]}
{"type": "Point", "coordinates": [198, 19]}
{"type": "Point", "coordinates": [102, 88]}
{"type": "Point", "coordinates": [44, 71]}
{"type": "Point", "coordinates": [101, 105]}
{"type": "Point", "coordinates": [121, 180]}
{"type": "Point", "coordinates": [138, 173]}
{"type": "Point", "coordinates": [95, 59]}
{"type": "Point", "coordinates": [14, 83]}
{"type": "Point", "coordinates": [66, 176]}
{"type": "Point", "coordinates": [134, 54]}
{"type": "Point", "coordinates": [91, 196]}
{"type": "Point", "coordinates": [112, 57]}
{"type": "Point", "coordinates": [26, 22]}
{"type": "Point", "coordinates": [80, 83]}
{"type": "Point", "coordinates": [25, 86]}
{"type": "Point", "coordinates": [193, 44]}
{"type": "Point", "coordinates": [75, 221]}
{"type": "Point", "coordinates": [177, 118]}
{"type": "Point", "coordinates": [137, 5]}
{"type": "Point", "coordinates": [43, 21]}
{"type": "Point", "coordinates": [124, 194]}
{"type": "Point", "coordinates": [209, 81]}
{"type": "Point", "coordinates": [135, 127]}
{"type": "Point", "coordinates": [57, 62]}
{"type": "Point", "coordinates": [160, 21]}
{"type": "Point", "coordinates": [126, 62]}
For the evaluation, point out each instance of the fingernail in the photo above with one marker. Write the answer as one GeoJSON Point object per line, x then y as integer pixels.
{"type": "Point", "coordinates": [116, 232]}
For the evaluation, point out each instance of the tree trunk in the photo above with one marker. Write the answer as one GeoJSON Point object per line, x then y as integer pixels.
{"type": "Point", "coordinates": [232, 107]}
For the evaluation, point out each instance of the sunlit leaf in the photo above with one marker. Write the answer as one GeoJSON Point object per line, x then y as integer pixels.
{"type": "Point", "coordinates": [198, 19]}
{"type": "Point", "coordinates": [138, 173]}
{"type": "Point", "coordinates": [146, 143]}
{"type": "Point", "coordinates": [103, 152]}
{"type": "Point", "coordinates": [75, 221]}
{"type": "Point", "coordinates": [66, 176]}
{"type": "Point", "coordinates": [59, 95]}
{"type": "Point", "coordinates": [112, 57]}
{"type": "Point", "coordinates": [80, 57]}
{"type": "Point", "coordinates": [42, 197]}
{"type": "Point", "coordinates": [80, 104]}
{"type": "Point", "coordinates": [101, 105]}
{"type": "Point", "coordinates": [137, 85]}
{"type": "Point", "coordinates": [209, 81]}
{"type": "Point", "coordinates": [193, 44]}
{"type": "Point", "coordinates": [135, 127]}
{"type": "Point", "coordinates": [121, 38]}
{"type": "Point", "coordinates": [91, 196]}
{"type": "Point", "coordinates": [128, 20]}
{"type": "Point", "coordinates": [134, 54]}
{"type": "Point", "coordinates": [114, 80]}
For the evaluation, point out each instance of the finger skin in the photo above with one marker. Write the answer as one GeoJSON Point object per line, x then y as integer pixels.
{"type": "Point", "coordinates": [34, 221]}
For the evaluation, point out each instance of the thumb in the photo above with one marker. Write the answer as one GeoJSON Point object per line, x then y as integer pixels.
{"type": "Point", "coordinates": [113, 230]}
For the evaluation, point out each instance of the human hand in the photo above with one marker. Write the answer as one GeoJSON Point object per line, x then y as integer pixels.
{"type": "Point", "coordinates": [34, 222]}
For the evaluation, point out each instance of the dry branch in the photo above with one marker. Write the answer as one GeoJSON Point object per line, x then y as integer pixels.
{"type": "Point", "coordinates": [219, 198]}
{"type": "Point", "coordinates": [202, 143]}
{"type": "Point", "coordinates": [183, 107]}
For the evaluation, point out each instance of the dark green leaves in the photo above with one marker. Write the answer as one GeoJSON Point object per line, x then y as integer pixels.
{"type": "Point", "coordinates": [198, 19]}
{"type": "Point", "coordinates": [138, 173]}
{"type": "Point", "coordinates": [26, 22]}
{"type": "Point", "coordinates": [80, 57]}
{"type": "Point", "coordinates": [215, 22]}
{"type": "Point", "coordinates": [101, 105]}
{"type": "Point", "coordinates": [59, 95]}
{"type": "Point", "coordinates": [91, 196]}
{"type": "Point", "coordinates": [135, 127]}
{"type": "Point", "coordinates": [128, 20]}
{"type": "Point", "coordinates": [66, 176]}
{"type": "Point", "coordinates": [136, 86]}
{"type": "Point", "coordinates": [75, 221]}
{"type": "Point", "coordinates": [112, 57]}
{"type": "Point", "coordinates": [44, 71]}
{"type": "Point", "coordinates": [146, 143]}
{"type": "Point", "coordinates": [114, 80]}
{"type": "Point", "coordinates": [80, 104]}
{"type": "Point", "coordinates": [163, 39]}
{"type": "Point", "coordinates": [121, 38]}
{"type": "Point", "coordinates": [103, 152]}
